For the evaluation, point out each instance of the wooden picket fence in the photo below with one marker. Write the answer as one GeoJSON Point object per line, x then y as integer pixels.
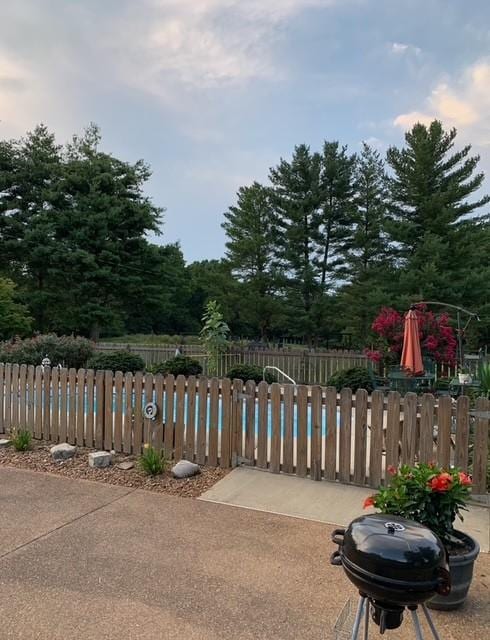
{"type": "Point", "coordinates": [279, 428]}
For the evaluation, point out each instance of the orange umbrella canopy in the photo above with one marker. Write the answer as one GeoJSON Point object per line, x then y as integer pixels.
{"type": "Point", "coordinates": [412, 354]}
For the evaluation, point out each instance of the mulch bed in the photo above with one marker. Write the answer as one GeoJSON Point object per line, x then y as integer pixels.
{"type": "Point", "coordinates": [38, 458]}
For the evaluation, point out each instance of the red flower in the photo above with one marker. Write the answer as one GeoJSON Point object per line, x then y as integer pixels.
{"type": "Point", "coordinates": [391, 469]}
{"type": "Point", "coordinates": [441, 483]}
{"type": "Point", "coordinates": [464, 478]}
{"type": "Point", "coordinates": [369, 502]}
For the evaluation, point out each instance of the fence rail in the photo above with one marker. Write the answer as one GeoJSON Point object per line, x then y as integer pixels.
{"type": "Point", "coordinates": [304, 430]}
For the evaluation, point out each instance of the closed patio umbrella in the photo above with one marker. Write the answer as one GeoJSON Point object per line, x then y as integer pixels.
{"type": "Point", "coordinates": [411, 353]}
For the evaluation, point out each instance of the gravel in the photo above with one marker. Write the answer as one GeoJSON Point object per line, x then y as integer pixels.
{"type": "Point", "coordinates": [38, 458]}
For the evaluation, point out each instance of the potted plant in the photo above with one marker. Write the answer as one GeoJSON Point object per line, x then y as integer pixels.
{"type": "Point", "coordinates": [434, 497]}
{"type": "Point", "coordinates": [464, 376]}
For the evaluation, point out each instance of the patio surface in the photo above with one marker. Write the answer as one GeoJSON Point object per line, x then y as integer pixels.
{"type": "Point", "coordinates": [82, 560]}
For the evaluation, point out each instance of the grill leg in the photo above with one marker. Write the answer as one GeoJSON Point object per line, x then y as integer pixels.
{"type": "Point", "coordinates": [416, 624]}
{"type": "Point", "coordinates": [357, 622]}
{"type": "Point", "coordinates": [366, 621]}
{"type": "Point", "coordinates": [430, 623]}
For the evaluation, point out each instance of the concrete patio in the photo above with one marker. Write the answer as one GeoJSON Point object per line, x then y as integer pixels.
{"type": "Point", "coordinates": [82, 561]}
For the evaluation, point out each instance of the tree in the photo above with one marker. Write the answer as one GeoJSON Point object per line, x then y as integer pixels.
{"type": "Point", "coordinates": [296, 197]}
{"type": "Point", "coordinates": [432, 211]}
{"type": "Point", "coordinates": [14, 317]}
{"type": "Point", "coordinates": [214, 335]}
{"type": "Point", "coordinates": [250, 245]}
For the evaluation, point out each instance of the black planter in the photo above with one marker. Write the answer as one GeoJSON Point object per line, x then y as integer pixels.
{"type": "Point", "coordinates": [461, 570]}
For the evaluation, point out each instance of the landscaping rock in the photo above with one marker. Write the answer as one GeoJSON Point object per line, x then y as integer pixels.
{"type": "Point", "coordinates": [185, 469]}
{"type": "Point", "coordinates": [5, 443]}
{"type": "Point", "coordinates": [62, 451]}
{"type": "Point", "coordinates": [99, 459]}
{"type": "Point", "coordinates": [126, 465]}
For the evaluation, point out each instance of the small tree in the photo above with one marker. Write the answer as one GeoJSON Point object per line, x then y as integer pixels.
{"type": "Point", "coordinates": [214, 334]}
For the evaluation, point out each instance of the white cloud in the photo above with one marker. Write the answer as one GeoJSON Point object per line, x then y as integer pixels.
{"type": "Point", "coordinates": [400, 48]}
{"type": "Point", "coordinates": [462, 102]}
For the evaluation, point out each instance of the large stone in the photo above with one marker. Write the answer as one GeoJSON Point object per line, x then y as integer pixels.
{"type": "Point", "coordinates": [185, 469]}
{"type": "Point", "coordinates": [62, 451]}
{"type": "Point", "coordinates": [99, 459]}
{"type": "Point", "coordinates": [5, 443]}
{"type": "Point", "coordinates": [125, 465]}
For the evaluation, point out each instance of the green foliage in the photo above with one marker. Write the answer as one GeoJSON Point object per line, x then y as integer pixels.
{"type": "Point", "coordinates": [214, 335]}
{"type": "Point", "coordinates": [180, 365]}
{"type": "Point", "coordinates": [14, 316]}
{"type": "Point", "coordinates": [247, 372]}
{"type": "Point", "coordinates": [427, 494]}
{"type": "Point", "coordinates": [354, 378]}
{"type": "Point", "coordinates": [484, 379]}
{"type": "Point", "coordinates": [21, 439]}
{"type": "Point", "coordinates": [117, 361]}
{"type": "Point", "coordinates": [65, 350]}
{"type": "Point", "coordinates": [152, 462]}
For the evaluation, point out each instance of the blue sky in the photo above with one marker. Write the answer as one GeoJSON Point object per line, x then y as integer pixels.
{"type": "Point", "coordinates": [213, 92]}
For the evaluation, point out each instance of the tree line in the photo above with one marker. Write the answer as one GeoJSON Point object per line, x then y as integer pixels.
{"type": "Point", "coordinates": [314, 253]}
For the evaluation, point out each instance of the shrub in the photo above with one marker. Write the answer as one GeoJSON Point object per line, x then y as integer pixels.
{"type": "Point", "coordinates": [180, 365]}
{"type": "Point", "coordinates": [21, 439]}
{"type": "Point", "coordinates": [151, 461]}
{"type": "Point", "coordinates": [250, 372]}
{"type": "Point", "coordinates": [69, 351]}
{"type": "Point", "coordinates": [354, 378]}
{"type": "Point", "coordinates": [117, 361]}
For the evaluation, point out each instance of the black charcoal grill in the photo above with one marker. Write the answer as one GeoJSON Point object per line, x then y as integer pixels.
{"type": "Point", "coordinates": [395, 564]}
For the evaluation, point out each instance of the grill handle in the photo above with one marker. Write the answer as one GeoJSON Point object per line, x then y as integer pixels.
{"type": "Point", "coordinates": [443, 582]}
{"type": "Point", "coordinates": [336, 559]}
{"type": "Point", "coordinates": [338, 536]}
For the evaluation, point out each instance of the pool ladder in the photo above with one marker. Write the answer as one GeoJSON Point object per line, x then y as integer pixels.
{"type": "Point", "coordinates": [269, 366]}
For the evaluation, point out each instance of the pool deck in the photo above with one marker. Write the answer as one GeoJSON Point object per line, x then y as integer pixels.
{"type": "Point", "coordinates": [327, 502]}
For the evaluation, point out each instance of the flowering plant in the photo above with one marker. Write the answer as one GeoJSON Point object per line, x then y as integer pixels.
{"type": "Point", "coordinates": [427, 494]}
{"type": "Point", "coordinates": [437, 338]}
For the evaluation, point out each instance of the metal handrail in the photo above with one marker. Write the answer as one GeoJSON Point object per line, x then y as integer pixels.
{"type": "Point", "coordinates": [270, 366]}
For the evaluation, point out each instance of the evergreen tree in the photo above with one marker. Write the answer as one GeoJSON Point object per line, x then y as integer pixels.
{"type": "Point", "coordinates": [249, 227]}
{"type": "Point", "coordinates": [14, 317]}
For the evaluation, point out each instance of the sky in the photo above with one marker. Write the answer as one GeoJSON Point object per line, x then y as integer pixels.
{"type": "Point", "coordinates": [212, 93]}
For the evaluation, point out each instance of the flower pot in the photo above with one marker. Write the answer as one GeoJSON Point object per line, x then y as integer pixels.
{"type": "Point", "coordinates": [464, 378]}
{"type": "Point", "coordinates": [461, 570]}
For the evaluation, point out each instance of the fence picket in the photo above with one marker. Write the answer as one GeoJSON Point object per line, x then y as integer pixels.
{"type": "Point", "coordinates": [15, 396]}
{"type": "Point", "coordinates": [138, 413]}
{"type": "Point", "coordinates": [409, 429]}
{"type": "Point", "coordinates": [331, 437]}
{"type": "Point", "coordinates": [190, 429]}
{"type": "Point", "coordinates": [288, 442]}
{"type": "Point", "coordinates": [108, 410]}
{"type": "Point", "coordinates": [237, 436]}
{"type": "Point", "coordinates": [63, 435]}
{"type": "Point", "coordinates": [55, 408]}
{"type": "Point", "coordinates": [89, 418]}
{"type": "Point", "coordinates": [376, 439]}
{"type": "Point", "coordinates": [360, 431]}
{"type": "Point", "coordinates": [302, 435]}
{"type": "Point", "coordinates": [72, 406]}
{"type": "Point", "coordinates": [250, 422]}
{"type": "Point", "coordinates": [462, 432]}
{"type": "Point", "coordinates": [262, 436]}
{"type": "Point", "coordinates": [444, 431]}
{"type": "Point", "coordinates": [202, 419]}
{"type": "Point", "coordinates": [157, 425]}
{"type": "Point", "coordinates": [118, 410]}
{"type": "Point", "coordinates": [148, 423]}
{"type": "Point", "coordinates": [38, 395]}
{"type": "Point", "coordinates": [316, 433]}
{"type": "Point", "coordinates": [226, 409]}
{"type": "Point", "coordinates": [393, 430]}
{"type": "Point", "coordinates": [275, 458]}
{"type": "Point", "coordinates": [81, 407]}
{"type": "Point", "coordinates": [345, 435]}
{"type": "Point", "coordinates": [22, 395]}
{"type": "Point", "coordinates": [480, 451]}
{"type": "Point", "coordinates": [180, 419]}
{"type": "Point", "coordinates": [7, 420]}
{"type": "Point", "coordinates": [2, 397]}
{"type": "Point", "coordinates": [99, 409]}
{"type": "Point", "coordinates": [31, 401]}
{"type": "Point", "coordinates": [426, 453]}
{"type": "Point", "coordinates": [213, 422]}
{"type": "Point", "coordinates": [168, 439]}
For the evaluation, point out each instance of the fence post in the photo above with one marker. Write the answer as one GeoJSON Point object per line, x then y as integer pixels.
{"type": "Point", "coordinates": [480, 452]}
{"type": "Point", "coordinates": [236, 422]}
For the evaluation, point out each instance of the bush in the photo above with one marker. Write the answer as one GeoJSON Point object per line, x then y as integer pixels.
{"type": "Point", "coordinates": [180, 365]}
{"type": "Point", "coordinates": [151, 461]}
{"type": "Point", "coordinates": [354, 378]}
{"type": "Point", "coordinates": [250, 372]}
{"type": "Point", "coordinates": [117, 361]}
{"type": "Point", "coordinates": [21, 439]}
{"type": "Point", "coordinates": [68, 351]}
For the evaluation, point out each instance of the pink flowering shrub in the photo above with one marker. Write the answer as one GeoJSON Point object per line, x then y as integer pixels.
{"type": "Point", "coordinates": [437, 338]}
